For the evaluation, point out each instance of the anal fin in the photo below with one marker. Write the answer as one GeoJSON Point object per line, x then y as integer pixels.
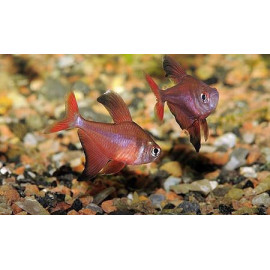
{"type": "Point", "coordinates": [112, 167]}
{"type": "Point", "coordinates": [195, 135]}
{"type": "Point", "coordinates": [94, 156]}
{"type": "Point", "coordinates": [204, 127]}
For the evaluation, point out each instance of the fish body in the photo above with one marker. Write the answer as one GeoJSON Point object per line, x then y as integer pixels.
{"type": "Point", "coordinates": [108, 147]}
{"type": "Point", "coordinates": [190, 100]}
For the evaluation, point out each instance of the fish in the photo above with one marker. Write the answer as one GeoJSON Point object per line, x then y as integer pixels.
{"type": "Point", "coordinates": [108, 147]}
{"type": "Point", "coordinates": [190, 100]}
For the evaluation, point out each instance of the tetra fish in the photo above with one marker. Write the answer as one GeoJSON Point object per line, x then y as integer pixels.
{"type": "Point", "coordinates": [108, 146]}
{"type": "Point", "coordinates": [191, 101]}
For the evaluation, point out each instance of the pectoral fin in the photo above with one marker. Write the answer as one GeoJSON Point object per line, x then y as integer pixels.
{"type": "Point", "coordinates": [115, 106]}
{"type": "Point", "coordinates": [113, 167]}
{"type": "Point", "coordinates": [94, 156]}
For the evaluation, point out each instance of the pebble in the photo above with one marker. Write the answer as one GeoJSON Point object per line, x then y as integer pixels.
{"type": "Point", "coordinates": [189, 207]}
{"type": "Point", "coordinates": [208, 148]}
{"type": "Point", "coordinates": [94, 208]}
{"type": "Point", "coordinates": [66, 61]}
{"type": "Point", "coordinates": [235, 193]}
{"type": "Point", "coordinates": [248, 172]}
{"type": "Point", "coordinates": [32, 206]}
{"type": "Point", "coordinates": [204, 186]}
{"type": "Point", "coordinates": [35, 122]}
{"type": "Point", "coordinates": [266, 152]}
{"type": "Point", "coordinates": [5, 209]}
{"type": "Point", "coordinates": [228, 140]}
{"type": "Point", "coordinates": [5, 170]}
{"type": "Point", "coordinates": [173, 168]}
{"type": "Point", "coordinates": [100, 197]}
{"type": "Point", "coordinates": [157, 199]}
{"type": "Point", "coordinates": [31, 190]}
{"type": "Point", "coordinates": [237, 159]}
{"type": "Point", "coordinates": [30, 139]}
{"type": "Point", "coordinates": [81, 86]}
{"type": "Point", "coordinates": [108, 206]}
{"type": "Point", "coordinates": [87, 211]}
{"type": "Point", "coordinates": [54, 89]}
{"type": "Point", "coordinates": [224, 209]}
{"type": "Point", "coordinates": [249, 138]}
{"type": "Point", "coordinates": [262, 199]}
{"type": "Point", "coordinates": [263, 186]}
{"type": "Point", "coordinates": [75, 162]}
{"type": "Point", "coordinates": [181, 189]}
{"type": "Point", "coordinates": [171, 181]}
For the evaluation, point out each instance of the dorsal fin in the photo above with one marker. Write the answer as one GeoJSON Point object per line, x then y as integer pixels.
{"type": "Point", "coordinates": [173, 69]}
{"type": "Point", "coordinates": [115, 106]}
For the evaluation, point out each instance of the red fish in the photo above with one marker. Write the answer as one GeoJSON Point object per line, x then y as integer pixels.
{"type": "Point", "coordinates": [190, 101]}
{"type": "Point", "coordinates": [107, 146]}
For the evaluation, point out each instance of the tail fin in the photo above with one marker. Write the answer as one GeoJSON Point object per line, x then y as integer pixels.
{"type": "Point", "coordinates": [72, 114]}
{"type": "Point", "coordinates": [159, 107]}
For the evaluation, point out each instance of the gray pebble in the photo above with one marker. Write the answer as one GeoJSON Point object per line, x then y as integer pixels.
{"type": "Point", "coordinates": [237, 159]}
{"type": "Point", "coordinates": [228, 140]}
{"type": "Point", "coordinates": [171, 181]}
{"type": "Point", "coordinates": [262, 199]}
{"type": "Point", "coordinates": [94, 207]}
{"type": "Point", "coordinates": [156, 199]}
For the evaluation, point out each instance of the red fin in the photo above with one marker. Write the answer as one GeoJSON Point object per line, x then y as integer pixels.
{"type": "Point", "coordinates": [94, 156]}
{"type": "Point", "coordinates": [113, 167]}
{"type": "Point", "coordinates": [159, 107]}
{"type": "Point", "coordinates": [195, 135]}
{"type": "Point", "coordinates": [187, 123]}
{"type": "Point", "coordinates": [72, 113]}
{"type": "Point", "coordinates": [183, 120]}
{"type": "Point", "coordinates": [173, 69]}
{"type": "Point", "coordinates": [115, 106]}
{"type": "Point", "coordinates": [205, 129]}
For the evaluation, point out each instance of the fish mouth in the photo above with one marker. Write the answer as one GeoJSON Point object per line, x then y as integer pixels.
{"type": "Point", "coordinates": [214, 99]}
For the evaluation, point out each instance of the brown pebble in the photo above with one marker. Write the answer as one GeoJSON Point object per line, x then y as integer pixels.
{"type": "Point", "coordinates": [19, 170]}
{"type": "Point", "coordinates": [218, 158]}
{"type": "Point", "coordinates": [73, 212]}
{"type": "Point", "coordinates": [31, 190]}
{"type": "Point", "coordinates": [61, 206]}
{"type": "Point", "coordinates": [212, 175]}
{"type": "Point", "coordinates": [16, 209]}
{"type": "Point", "coordinates": [22, 213]}
{"type": "Point", "coordinates": [9, 193]}
{"type": "Point", "coordinates": [253, 156]}
{"type": "Point", "coordinates": [87, 211]}
{"type": "Point", "coordinates": [108, 206]}
{"type": "Point", "coordinates": [86, 200]}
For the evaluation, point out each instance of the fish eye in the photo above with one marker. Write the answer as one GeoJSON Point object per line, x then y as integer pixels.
{"type": "Point", "coordinates": [204, 97]}
{"type": "Point", "coordinates": [155, 151]}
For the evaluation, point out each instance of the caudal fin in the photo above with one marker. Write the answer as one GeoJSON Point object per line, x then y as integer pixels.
{"type": "Point", "coordinates": [70, 119]}
{"type": "Point", "coordinates": [159, 107]}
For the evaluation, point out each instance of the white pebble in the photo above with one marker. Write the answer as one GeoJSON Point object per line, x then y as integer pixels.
{"type": "Point", "coordinates": [227, 140]}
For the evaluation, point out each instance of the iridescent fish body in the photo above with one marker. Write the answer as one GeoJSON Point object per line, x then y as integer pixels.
{"type": "Point", "coordinates": [191, 101]}
{"type": "Point", "coordinates": [108, 147]}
